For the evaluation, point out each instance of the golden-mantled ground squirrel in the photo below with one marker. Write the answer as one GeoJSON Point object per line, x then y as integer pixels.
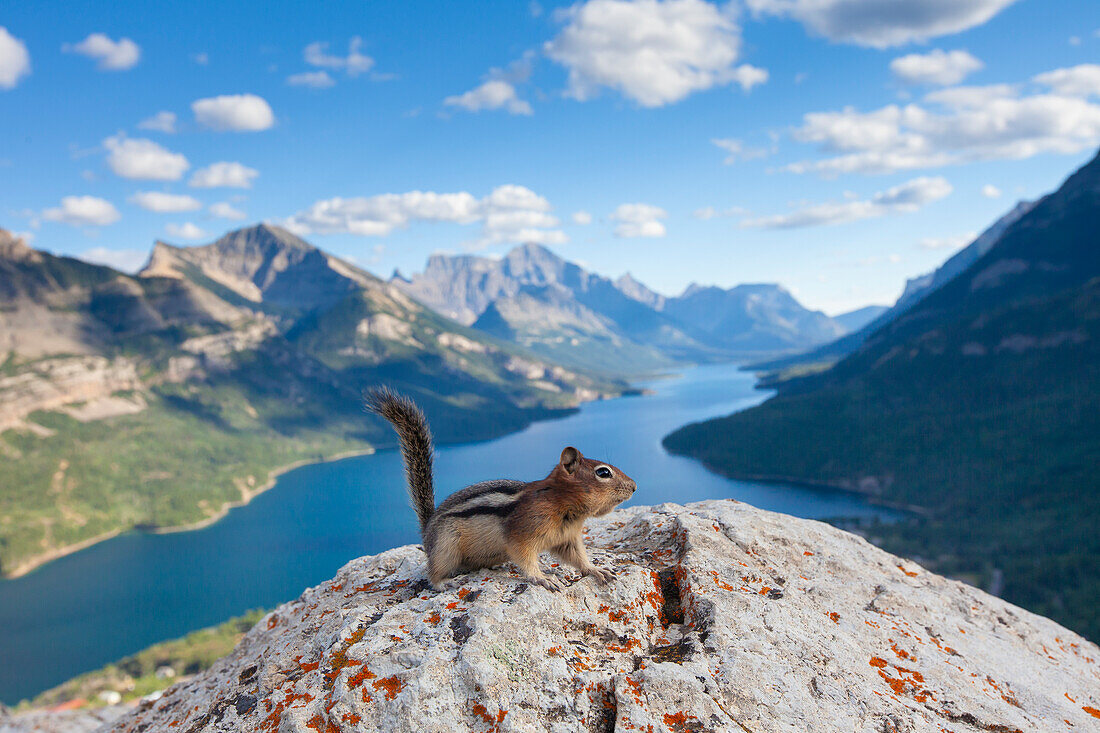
{"type": "Point", "coordinates": [493, 521]}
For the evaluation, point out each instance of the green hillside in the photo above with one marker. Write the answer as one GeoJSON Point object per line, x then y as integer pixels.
{"type": "Point", "coordinates": [158, 401]}
{"type": "Point", "coordinates": [135, 676]}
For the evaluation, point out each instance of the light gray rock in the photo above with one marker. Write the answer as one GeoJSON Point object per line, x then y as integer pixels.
{"type": "Point", "coordinates": [60, 721]}
{"type": "Point", "coordinates": [721, 617]}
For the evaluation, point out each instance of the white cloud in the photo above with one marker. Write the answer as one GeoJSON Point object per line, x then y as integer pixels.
{"type": "Point", "coordinates": [709, 212]}
{"type": "Point", "coordinates": [161, 121]}
{"type": "Point", "coordinates": [736, 150]}
{"type": "Point", "coordinates": [510, 213]}
{"type": "Point", "coordinates": [187, 230]}
{"type": "Point", "coordinates": [937, 67]}
{"type": "Point", "coordinates": [126, 260]}
{"type": "Point", "coordinates": [493, 94]}
{"type": "Point", "coordinates": [1076, 81]}
{"type": "Point", "coordinates": [582, 218]}
{"type": "Point", "coordinates": [748, 76]}
{"type": "Point", "coordinates": [202, 58]}
{"type": "Point", "coordinates": [654, 52]}
{"type": "Point", "coordinates": [225, 210]}
{"type": "Point", "coordinates": [15, 61]}
{"type": "Point", "coordinates": [905, 198]}
{"type": "Point", "coordinates": [165, 203]}
{"type": "Point", "coordinates": [111, 55]}
{"type": "Point", "coordinates": [224, 174]}
{"type": "Point", "coordinates": [140, 158]}
{"type": "Point", "coordinates": [355, 63]}
{"type": "Point", "coordinates": [83, 211]}
{"type": "Point", "coordinates": [990, 191]}
{"type": "Point", "coordinates": [639, 220]}
{"type": "Point", "coordinates": [956, 125]}
{"type": "Point", "coordinates": [238, 112]}
{"type": "Point", "coordinates": [956, 242]}
{"type": "Point", "coordinates": [883, 23]}
{"type": "Point", "coordinates": [315, 79]}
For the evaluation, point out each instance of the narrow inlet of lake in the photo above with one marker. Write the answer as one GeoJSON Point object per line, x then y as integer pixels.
{"type": "Point", "coordinates": [115, 598]}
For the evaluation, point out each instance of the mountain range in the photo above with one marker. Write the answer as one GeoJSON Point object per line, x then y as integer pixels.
{"type": "Point", "coordinates": [558, 309]}
{"type": "Point", "coordinates": [161, 399]}
{"type": "Point", "coordinates": [978, 404]}
{"type": "Point", "coordinates": [915, 290]}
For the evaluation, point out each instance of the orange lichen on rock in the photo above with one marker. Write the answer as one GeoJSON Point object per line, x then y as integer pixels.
{"type": "Point", "coordinates": [910, 573]}
{"type": "Point", "coordinates": [392, 686]}
{"type": "Point", "coordinates": [1091, 711]}
{"type": "Point", "coordinates": [807, 553]}
{"type": "Point", "coordinates": [678, 721]}
{"type": "Point", "coordinates": [878, 662]}
{"type": "Point", "coordinates": [365, 588]}
{"type": "Point", "coordinates": [721, 584]}
{"type": "Point", "coordinates": [434, 618]}
{"type": "Point", "coordinates": [494, 720]}
{"type": "Point", "coordinates": [340, 656]}
{"type": "Point", "coordinates": [360, 677]}
{"type": "Point", "coordinates": [320, 724]}
{"type": "Point", "coordinates": [901, 653]}
{"type": "Point", "coordinates": [270, 724]}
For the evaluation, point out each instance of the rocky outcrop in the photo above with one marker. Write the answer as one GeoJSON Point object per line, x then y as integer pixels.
{"type": "Point", "coordinates": [721, 617]}
{"type": "Point", "coordinates": [54, 383]}
{"type": "Point", "coordinates": [59, 720]}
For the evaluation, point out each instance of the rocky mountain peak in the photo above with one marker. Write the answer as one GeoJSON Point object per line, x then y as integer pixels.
{"type": "Point", "coordinates": [15, 248]}
{"type": "Point", "coordinates": [263, 264]}
{"type": "Point", "coordinates": [636, 290]}
{"type": "Point", "coordinates": [719, 617]}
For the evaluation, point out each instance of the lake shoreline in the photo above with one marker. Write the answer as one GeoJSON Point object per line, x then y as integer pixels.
{"type": "Point", "coordinates": [776, 480]}
{"type": "Point", "coordinates": [247, 495]}
{"type": "Point", "coordinates": [314, 520]}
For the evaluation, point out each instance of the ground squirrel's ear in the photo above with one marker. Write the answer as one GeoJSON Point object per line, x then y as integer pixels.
{"type": "Point", "coordinates": [570, 459]}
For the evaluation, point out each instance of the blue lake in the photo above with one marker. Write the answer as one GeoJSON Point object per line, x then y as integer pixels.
{"type": "Point", "coordinates": [115, 598]}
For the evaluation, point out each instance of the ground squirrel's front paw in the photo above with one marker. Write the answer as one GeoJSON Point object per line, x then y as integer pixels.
{"type": "Point", "coordinates": [550, 584]}
{"type": "Point", "coordinates": [603, 577]}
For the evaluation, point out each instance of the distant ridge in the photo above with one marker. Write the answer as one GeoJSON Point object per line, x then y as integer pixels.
{"type": "Point", "coordinates": [524, 295]}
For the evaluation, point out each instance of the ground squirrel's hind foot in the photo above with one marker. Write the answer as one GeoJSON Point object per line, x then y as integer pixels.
{"type": "Point", "coordinates": [603, 577]}
{"type": "Point", "coordinates": [551, 584]}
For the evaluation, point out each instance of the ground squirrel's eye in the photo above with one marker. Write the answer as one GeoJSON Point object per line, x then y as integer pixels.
{"type": "Point", "coordinates": [603, 472]}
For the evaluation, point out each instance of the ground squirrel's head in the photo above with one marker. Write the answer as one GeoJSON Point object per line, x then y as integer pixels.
{"type": "Point", "coordinates": [602, 485]}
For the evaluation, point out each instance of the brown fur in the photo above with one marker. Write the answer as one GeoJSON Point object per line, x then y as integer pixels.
{"type": "Point", "coordinates": [486, 524]}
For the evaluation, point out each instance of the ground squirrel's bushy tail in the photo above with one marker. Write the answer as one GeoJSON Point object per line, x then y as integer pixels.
{"type": "Point", "coordinates": [416, 445]}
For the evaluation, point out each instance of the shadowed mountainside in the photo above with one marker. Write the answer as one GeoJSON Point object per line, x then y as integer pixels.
{"type": "Point", "coordinates": [980, 404]}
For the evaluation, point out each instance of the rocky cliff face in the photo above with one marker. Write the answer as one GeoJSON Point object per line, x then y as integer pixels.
{"type": "Point", "coordinates": [263, 264]}
{"type": "Point", "coordinates": [721, 617]}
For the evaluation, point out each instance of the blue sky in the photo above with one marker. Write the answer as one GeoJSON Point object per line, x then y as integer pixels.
{"type": "Point", "coordinates": [834, 146]}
